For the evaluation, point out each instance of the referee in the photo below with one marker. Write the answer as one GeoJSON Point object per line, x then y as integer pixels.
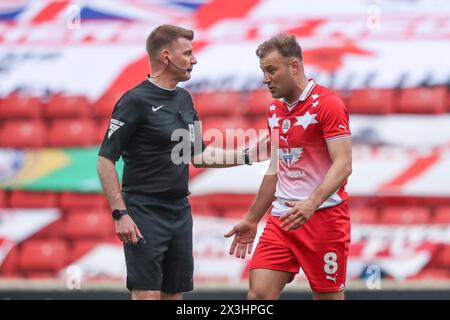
{"type": "Point", "coordinates": [151, 212]}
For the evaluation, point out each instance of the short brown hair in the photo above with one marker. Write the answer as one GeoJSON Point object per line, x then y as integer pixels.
{"type": "Point", "coordinates": [164, 35]}
{"type": "Point", "coordinates": [284, 43]}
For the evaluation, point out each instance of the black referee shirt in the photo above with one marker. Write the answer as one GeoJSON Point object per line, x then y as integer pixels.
{"type": "Point", "coordinates": [140, 131]}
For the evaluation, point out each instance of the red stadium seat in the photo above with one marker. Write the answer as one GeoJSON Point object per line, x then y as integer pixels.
{"type": "Point", "coordinates": [72, 200]}
{"type": "Point", "coordinates": [442, 215]}
{"type": "Point", "coordinates": [443, 258]}
{"type": "Point", "coordinates": [70, 133]}
{"type": "Point", "coordinates": [23, 134]}
{"type": "Point", "coordinates": [43, 255]}
{"type": "Point", "coordinates": [10, 263]}
{"type": "Point", "coordinates": [80, 248]}
{"type": "Point", "coordinates": [67, 106]}
{"type": "Point", "coordinates": [201, 206]}
{"type": "Point", "coordinates": [423, 100]}
{"type": "Point", "coordinates": [2, 199]}
{"type": "Point", "coordinates": [103, 126]}
{"type": "Point", "coordinates": [259, 102]}
{"type": "Point", "coordinates": [222, 124]}
{"type": "Point", "coordinates": [219, 103]}
{"type": "Point", "coordinates": [26, 199]}
{"type": "Point", "coordinates": [260, 123]}
{"type": "Point", "coordinates": [105, 105]}
{"type": "Point", "coordinates": [372, 101]}
{"type": "Point", "coordinates": [363, 215]}
{"type": "Point", "coordinates": [235, 213]}
{"type": "Point", "coordinates": [19, 106]}
{"type": "Point", "coordinates": [89, 224]}
{"type": "Point", "coordinates": [55, 229]}
{"type": "Point", "coordinates": [228, 201]}
{"type": "Point", "coordinates": [405, 215]}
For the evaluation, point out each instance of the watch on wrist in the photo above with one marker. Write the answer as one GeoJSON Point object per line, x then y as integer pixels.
{"type": "Point", "coordinates": [117, 214]}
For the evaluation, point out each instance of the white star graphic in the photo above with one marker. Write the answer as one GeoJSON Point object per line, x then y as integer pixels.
{"type": "Point", "coordinates": [272, 107]}
{"type": "Point", "coordinates": [315, 104]}
{"type": "Point", "coordinates": [273, 121]}
{"type": "Point", "coordinates": [306, 120]}
{"type": "Point", "coordinates": [315, 96]}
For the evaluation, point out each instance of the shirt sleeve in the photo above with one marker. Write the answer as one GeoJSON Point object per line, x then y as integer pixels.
{"type": "Point", "coordinates": [124, 122]}
{"type": "Point", "coordinates": [333, 118]}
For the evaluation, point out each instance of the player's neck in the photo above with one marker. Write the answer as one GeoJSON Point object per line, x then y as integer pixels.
{"type": "Point", "coordinates": [299, 88]}
{"type": "Point", "coordinates": [164, 82]}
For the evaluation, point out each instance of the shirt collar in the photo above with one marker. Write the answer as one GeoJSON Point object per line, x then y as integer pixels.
{"type": "Point", "coordinates": [304, 95]}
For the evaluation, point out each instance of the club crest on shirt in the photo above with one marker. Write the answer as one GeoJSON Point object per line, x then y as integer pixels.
{"type": "Point", "coordinates": [286, 125]}
{"type": "Point", "coordinates": [290, 155]}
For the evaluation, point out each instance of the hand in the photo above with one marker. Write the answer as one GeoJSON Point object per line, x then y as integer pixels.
{"type": "Point", "coordinates": [300, 213]}
{"type": "Point", "coordinates": [127, 231]}
{"type": "Point", "coordinates": [259, 150]}
{"type": "Point", "coordinates": [244, 235]}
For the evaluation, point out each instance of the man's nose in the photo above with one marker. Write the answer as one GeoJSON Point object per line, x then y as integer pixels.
{"type": "Point", "coordinates": [193, 60]}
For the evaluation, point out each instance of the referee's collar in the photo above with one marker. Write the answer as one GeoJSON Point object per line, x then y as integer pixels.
{"type": "Point", "coordinates": [165, 90]}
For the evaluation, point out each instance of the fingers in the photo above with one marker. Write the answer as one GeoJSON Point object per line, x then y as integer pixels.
{"type": "Point", "coordinates": [233, 246]}
{"type": "Point", "coordinates": [138, 232]}
{"type": "Point", "coordinates": [241, 250]}
{"type": "Point", "coordinates": [230, 233]}
{"type": "Point", "coordinates": [289, 204]}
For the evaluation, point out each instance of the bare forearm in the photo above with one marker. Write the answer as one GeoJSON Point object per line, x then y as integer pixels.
{"type": "Point", "coordinates": [338, 172]}
{"type": "Point", "coordinates": [264, 198]}
{"type": "Point", "coordinates": [218, 158]}
{"type": "Point", "coordinates": [110, 183]}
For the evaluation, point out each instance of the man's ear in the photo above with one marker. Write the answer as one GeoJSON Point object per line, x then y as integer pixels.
{"type": "Point", "coordinates": [164, 56]}
{"type": "Point", "coordinates": [294, 66]}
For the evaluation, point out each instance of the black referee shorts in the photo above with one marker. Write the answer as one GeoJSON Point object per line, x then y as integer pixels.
{"type": "Point", "coordinates": [165, 262]}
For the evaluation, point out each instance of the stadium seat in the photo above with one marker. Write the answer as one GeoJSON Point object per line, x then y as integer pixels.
{"type": "Point", "coordinates": [31, 199]}
{"type": "Point", "coordinates": [19, 106]}
{"type": "Point", "coordinates": [89, 224]}
{"type": "Point", "coordinates": [10, 263]}
{"type": "Point", "coordinates": [423, 100]}
{"type": "Point", "coordinates": [23, 134]}
{"type": "Point", "coordinates": [442, 215]}
{"type": "Point", "coordinates": [67, 106]}
{"type": "Point", "coordinates": [405, 215]}
{"type": "Point", "coordinates": [219, 103]}
{"type": "Point", "coordinates": [222, 124]}
{"type": "Point", "coordinates": [259, 102]}
{"type": "Point", "coordinates": [259, 123]}
{"type": "Point", "coordinates": [80, 248]}
{"type": "Point", "coordinates": [73, 200]}
{"type": "Point", "coordinates": [105, 105]}
{"type": "Point", "coordinates": [363, 215]}
{"type": "Point", "coordinates": [71, 133]}
{"type": "Point", "coordinates": [55, 229]}
{"type": "Point", "coordinates": [103, 126]}
{"type": "Point", "coordinates": [235, 213]}
{"type": "Point", "coordinates": [43, 255]}
{"type": "Point", "coordinates": [228, 201]}
{"type": "Point", "coordinates": [372, 101]}
{"type": "Point", "coordinates": [2, 199]}
{"type": "Point", "coordinates": [443, 259]}
{"type": "Point", "coordinates": [201, 206]}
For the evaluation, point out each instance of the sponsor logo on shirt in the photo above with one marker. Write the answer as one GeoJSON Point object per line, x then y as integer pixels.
{"type": "Point", "coordinates": [290, 155]}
